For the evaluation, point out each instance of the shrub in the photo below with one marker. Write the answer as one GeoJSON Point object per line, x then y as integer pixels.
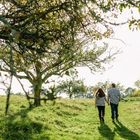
{"type": "Point", "coordinates": [136, 93]}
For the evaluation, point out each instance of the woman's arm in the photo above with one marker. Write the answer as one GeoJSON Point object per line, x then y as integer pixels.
{"type": "Point", "coordinates": [107, 100]}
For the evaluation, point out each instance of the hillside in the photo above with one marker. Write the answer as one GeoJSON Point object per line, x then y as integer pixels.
{"type": "Point", "coordinates": [67, 120]}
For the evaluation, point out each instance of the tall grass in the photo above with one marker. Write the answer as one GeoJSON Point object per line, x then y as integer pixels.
{"type": "Point", "coordinates": [67, 120]}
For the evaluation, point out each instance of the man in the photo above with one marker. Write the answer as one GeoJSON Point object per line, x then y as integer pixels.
{"type": "Point", "coordinates": [114, 97]}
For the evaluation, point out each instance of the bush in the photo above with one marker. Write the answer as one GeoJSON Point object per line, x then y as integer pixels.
{"type": "Point", "coordinates": [135, 93]}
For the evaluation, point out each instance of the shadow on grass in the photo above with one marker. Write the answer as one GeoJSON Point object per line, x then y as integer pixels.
{"type": "Point", "coordinates": [106, 132]}
{"type": "Point", "coordinates": [125, 133]}
{"type": "Point", "coordinates": [20, 127]}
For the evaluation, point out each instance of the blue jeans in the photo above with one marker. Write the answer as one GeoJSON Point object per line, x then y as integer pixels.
{"type": "Point", "coordinates": [101, 112]}
{"type": "Point", "coordinates": [114, 111]}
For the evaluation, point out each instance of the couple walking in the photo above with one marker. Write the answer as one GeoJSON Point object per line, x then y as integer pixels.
{"type": "Point", "coordinates": [113, 98]}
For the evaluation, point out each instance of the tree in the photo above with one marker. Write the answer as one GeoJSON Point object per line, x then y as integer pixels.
{"type": "Point", "coordinates": [137, 83]}
{"type": "Point", "coordinates": [47, 38]}
{"type": "Point", "coordinates": [134, 22]}
{"type": "Point", "coordinates": [72, 87]}
{"type": "Point", "coordinates": [129, 91]}
{"type": "Point", "coordinates": [103, 85]}
{"type": "Point", "coordinates": [79, 88]}
{"type": "Point", "coordinates": [107, 84]}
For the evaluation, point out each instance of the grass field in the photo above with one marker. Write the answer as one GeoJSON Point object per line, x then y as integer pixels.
{"type": "Point", "coordinates": [68, 120]}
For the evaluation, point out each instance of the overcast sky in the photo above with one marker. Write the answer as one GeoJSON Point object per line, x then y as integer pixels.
{"type": "Point", "coordinates": [126, 67]}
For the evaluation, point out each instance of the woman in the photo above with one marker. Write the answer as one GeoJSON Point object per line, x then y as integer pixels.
{"type": "Point", "coordinates": [100, 99]}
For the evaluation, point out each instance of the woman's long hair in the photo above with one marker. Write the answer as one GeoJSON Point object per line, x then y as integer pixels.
{"type": "Point", "coordinates": [100, 93]}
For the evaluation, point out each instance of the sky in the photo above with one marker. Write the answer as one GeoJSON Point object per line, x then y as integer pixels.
{"type": "Point", "coordinates": [125, 69]}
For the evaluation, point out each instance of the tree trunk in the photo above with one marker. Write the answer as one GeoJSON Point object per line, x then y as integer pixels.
{"type": "Point", "coordinates": [37, 92]}
{"type": "Point", "coordinates": [7, 101]}
{"type": "Point", "coordinates": [37, 84]}
{"type": "Point", "coordinates": [37, 101]}
{"type": "Point", "coordinates": [70, 95]}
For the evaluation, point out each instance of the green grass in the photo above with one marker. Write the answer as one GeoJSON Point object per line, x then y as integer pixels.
{"type": "Point", "coordinates": [68, 120]}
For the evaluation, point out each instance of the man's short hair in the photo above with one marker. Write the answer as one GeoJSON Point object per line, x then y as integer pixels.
{"type": "Point", "coordinates": [113, 85]}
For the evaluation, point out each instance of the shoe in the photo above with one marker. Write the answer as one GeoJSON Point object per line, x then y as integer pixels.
{"type": "Point", "coordinates": [117, 119]}
{"type": "Point", "coordinates": [102, 119]}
